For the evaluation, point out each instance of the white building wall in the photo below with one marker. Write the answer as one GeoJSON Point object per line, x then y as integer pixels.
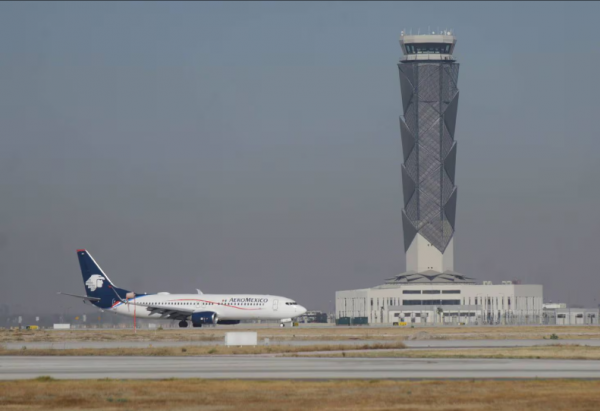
{"type": "Point", "coordinates": [498, 304]}
{"type": "Point", "coordinates": [573, 316]}
{"type": "Point", "coordinates": [422, 256]}
{"type": "Point", "coordinates": [448, 257]}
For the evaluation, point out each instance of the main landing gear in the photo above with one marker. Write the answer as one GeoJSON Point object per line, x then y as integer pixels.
{"type": "Point", "coordinates": [183, 324]}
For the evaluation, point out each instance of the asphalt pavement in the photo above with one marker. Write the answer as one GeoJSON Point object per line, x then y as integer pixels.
{"type": "Point", "coordinates": [417, 344]}
{"type": "Point", "coordinates": [263, 367]}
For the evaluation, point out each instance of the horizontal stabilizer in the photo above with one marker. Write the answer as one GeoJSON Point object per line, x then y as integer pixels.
{"type": "Point", "coordinates": [83, 297]}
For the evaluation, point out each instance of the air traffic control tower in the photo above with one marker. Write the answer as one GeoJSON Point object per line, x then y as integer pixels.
{"type": "Point", "coordinates": [428, 82]}
{"type": "Point", "coordinates": [430, 291]}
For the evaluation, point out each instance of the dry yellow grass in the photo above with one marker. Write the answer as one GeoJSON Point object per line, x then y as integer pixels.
{"type": "Point", "coordinates": [194, 350]}
{"type": "Point", "coordinates": [564, 352]}
{"type": "Point", "coordinates": [109, 395]}
{"type": "Point", "coordinates": [307, 333]}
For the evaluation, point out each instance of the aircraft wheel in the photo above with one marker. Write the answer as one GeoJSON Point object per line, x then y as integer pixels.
{"type": "Point", "coordinates": [183, 324]}
{"type": "Point", "coordinates": [282, 325]}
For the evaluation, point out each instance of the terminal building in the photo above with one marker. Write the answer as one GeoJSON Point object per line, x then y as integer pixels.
{"type": "Point", "coordinates": [430, 291]}
{"type": "Point", "coordinates": [434, 298]}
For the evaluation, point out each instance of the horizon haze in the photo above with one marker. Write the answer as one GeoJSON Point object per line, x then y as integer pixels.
{"type": "Point", "coordinates": [254, 147]}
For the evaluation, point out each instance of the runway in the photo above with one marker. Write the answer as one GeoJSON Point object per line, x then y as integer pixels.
{"type": "Point", "coordinates": [416, 344]}
{"type": "Point", "coordinates": [263, 367]}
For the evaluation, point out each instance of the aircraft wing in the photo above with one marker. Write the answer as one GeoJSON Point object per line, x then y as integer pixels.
{"type": "Point", "coordinates": [172, 313]}
{"type": "Point", "coordinates": [83, 297]}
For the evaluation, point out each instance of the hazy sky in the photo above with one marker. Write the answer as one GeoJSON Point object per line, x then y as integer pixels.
{"type": "Point", "coordinates": [255, 147]}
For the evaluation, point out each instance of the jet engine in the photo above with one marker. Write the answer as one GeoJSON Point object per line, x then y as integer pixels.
{"type": "Point", "coordinates": [204, 317]}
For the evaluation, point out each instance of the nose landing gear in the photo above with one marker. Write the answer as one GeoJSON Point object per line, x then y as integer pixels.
{"type": "Point", "coordinates": [183, 324]}
{"type": "Point", "coordinates": [286, 322]}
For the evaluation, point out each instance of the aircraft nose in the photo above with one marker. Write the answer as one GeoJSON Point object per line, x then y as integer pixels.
{"type": "Point", "coordinates": [301, 309]}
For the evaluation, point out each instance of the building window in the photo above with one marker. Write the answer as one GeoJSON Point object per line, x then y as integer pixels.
{"type": "Point", "coordinates": [431, 291]}
{"type": "Point", "coordinates": [411, 291]}
{"type": "Point", "coordinates": [412, 302]}
{"type": "Point", "coordinates": [450, 291]}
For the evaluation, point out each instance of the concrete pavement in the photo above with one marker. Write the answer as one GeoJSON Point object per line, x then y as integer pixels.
{"type": "Point", "coordinates": [255, 367]}
{"type": "Point", "coordinates": [417, 344]}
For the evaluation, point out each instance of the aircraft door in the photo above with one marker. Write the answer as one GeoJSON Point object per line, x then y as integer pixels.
{"type": "Point", "coordinates": [275, 304]}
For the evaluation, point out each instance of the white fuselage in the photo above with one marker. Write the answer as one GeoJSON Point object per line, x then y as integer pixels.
{"type": "Point", "coordinates": [227, 306]}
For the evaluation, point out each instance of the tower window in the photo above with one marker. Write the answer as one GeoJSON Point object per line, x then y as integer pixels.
{"type": "Point", "coordinates": [428, 48]}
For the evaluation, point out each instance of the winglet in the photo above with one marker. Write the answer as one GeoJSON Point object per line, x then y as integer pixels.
{"type": "Point", "coordinates": [199, 292]}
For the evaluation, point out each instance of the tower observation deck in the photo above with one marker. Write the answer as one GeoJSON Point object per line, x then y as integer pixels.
{"type": "Point", "coordinates": [428, 82]}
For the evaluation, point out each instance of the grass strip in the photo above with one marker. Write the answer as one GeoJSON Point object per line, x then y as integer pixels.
{"type": "Point", "coordinates": [556, 352]}
{"type": "Point", "coordinates": [194, 394]}
{"type": "Point", "coordinates": [195, 350]}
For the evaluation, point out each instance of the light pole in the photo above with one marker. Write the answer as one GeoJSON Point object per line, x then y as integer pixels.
{"type": "Point", "coordinates": [479, 302]}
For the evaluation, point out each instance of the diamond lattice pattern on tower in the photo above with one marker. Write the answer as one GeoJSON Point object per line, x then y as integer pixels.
{"type": "Point", "coordinates": [430, 102]}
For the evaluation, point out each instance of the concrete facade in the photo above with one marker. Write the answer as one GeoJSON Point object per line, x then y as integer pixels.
{"type": "Point", "coordinates": [571, 316]}
{"type": "Point", "coordinates": [421, 256]}
{"type": "Point", "coordinates": [436, 303]}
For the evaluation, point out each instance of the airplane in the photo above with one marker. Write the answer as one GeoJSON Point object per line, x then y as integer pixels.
{"type": "Point", "coordinates": [198, 309]}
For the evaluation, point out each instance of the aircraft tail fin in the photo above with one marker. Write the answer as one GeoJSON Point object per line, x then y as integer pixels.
{"type": "Point", "coordinates": [97, 284]}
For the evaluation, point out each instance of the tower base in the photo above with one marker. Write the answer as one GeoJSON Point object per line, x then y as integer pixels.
{"type": "Point", "coordinates": [422, 256]}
